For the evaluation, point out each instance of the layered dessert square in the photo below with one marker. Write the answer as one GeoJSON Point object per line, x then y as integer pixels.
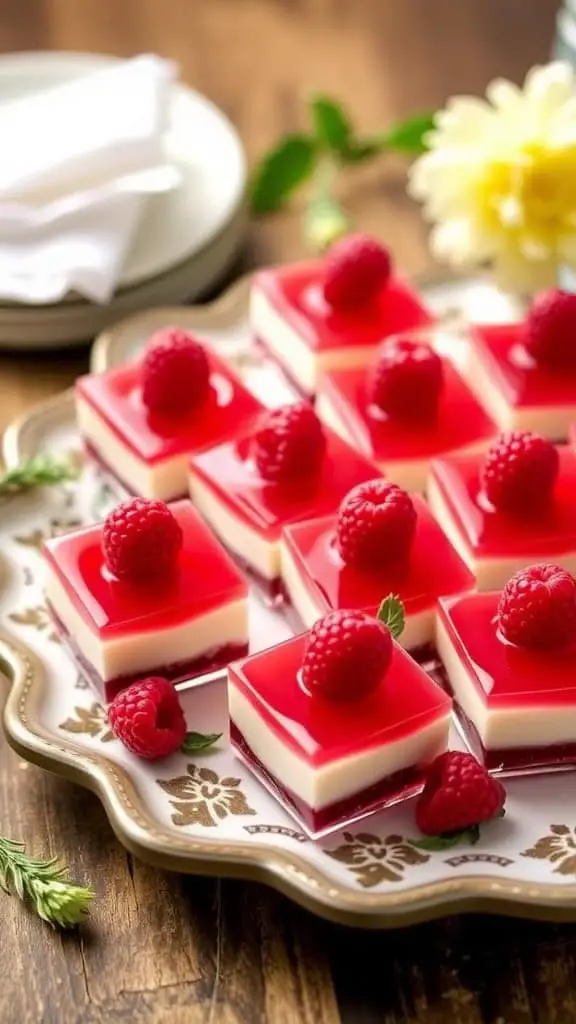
{"type": "Point", "coordinates": [321, 574]}
{"type": "Point", "coordinates": [290, 469]}
{"type": "Point", "coordinates": [298, 316]}
{"type": "Point", "coordinates": [176, 624]}
{"type": "Point", "coordinates": [332, 761]}
{"type": "Point", "coordinates": [408, 407]}
{"type": "Point", "coordinates": [143, 420]}
{"type": "Point", "coordinates": [516, 702]}
{"type": "Point", "coordinates": [496, 537]}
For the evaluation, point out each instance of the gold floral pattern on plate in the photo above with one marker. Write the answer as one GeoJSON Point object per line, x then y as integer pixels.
{"type": "Point", "coordinates": [204, 798]}
{"type": "Point", "coordinates": [36, 537]}
{"type": "Point", "coordinates": [92, 721]}
{"type": "Point", "coordinates": [374, 860]}
{"type": "Point", "coordinates": [38, 617]}
{"type": "Point", "coordinates": [559, 848]}
{"type": "Point", "coordinates": [276, 830]}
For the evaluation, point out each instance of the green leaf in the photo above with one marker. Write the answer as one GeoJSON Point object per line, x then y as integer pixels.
{"type": "Point", "coordinates": [39, 471]}
{"type": "Point", "coordinates": [445, 842]}
{"type": "Point", "coordinates": [391, 613]}
{"type": "Point", "coordinates": [332, 126]}
{"type": "Point", "coordinates": [198, 741]}
{"type": "Point", "coordinates": [408, 136]}
{"type": "Point", "coordinates": [42, 884]}
{"type": "Point", "coordinates": [360, 150]}
{"type": "Point", "coordinates": [280, 172]}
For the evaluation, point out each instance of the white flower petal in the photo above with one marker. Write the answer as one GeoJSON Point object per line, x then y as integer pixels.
{"type": "Point", "coordinates": [504, 95]}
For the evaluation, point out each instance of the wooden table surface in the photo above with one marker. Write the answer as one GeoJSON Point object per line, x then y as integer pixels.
{"type": "Point", "coordinates": [162, 948]}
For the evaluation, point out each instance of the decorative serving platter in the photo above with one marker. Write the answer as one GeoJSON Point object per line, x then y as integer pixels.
{"type": "Point", "coordinates": [207, 814]}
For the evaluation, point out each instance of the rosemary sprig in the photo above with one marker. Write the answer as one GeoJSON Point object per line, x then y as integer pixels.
{"type": "Point", "coordinates": [43, 885]}
{"type": "Point", "coordinates": [39, 471]}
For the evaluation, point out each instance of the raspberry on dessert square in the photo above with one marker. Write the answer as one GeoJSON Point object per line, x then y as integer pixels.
{"type": "Point", "coordinates": [297, 317]}
{"type": "Point", "coordinates": [289, 468]}
{"type": "Point", "coordinates": [127, 611]}
{"type": "Point", "coordinates": [409, 406]}
{"type": "Point", "coordinates": [333, 759]}
{"type": "Point", "coordinates": [321, 569]}
{"type": "Point", "coordinates": [143, 420]}
{"type": "Point", "coordinates": [515, 698]}
{"type": "Point", "coordinates": [508, 508]}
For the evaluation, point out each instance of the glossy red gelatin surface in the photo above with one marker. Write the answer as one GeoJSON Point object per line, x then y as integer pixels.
{"type": "Point", "coordinates": [321, 731]}
{"type": "Point", "coordinates": [460, 421]}
{"type": "Point", "coordinates": [543, 535]}
{"type": "Point", "coordinates": [230, 473]}
{"type": "Point", "coordinates": [432, 570]}
{"type": "Point", "coordinates": [296, 293]}
{"type": "Point", "coordinates": [205, 579]}
{"type": "Point", "coordinates": [521, 381]}
{"type": "Point", "coordinates": [116, 397]}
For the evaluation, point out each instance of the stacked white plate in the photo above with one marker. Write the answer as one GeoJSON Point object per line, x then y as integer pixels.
{"type": "Point", "coordinates": [187, 238]}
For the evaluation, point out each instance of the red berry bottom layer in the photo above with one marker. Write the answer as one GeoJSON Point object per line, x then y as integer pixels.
{"type": "Point", "coordinates": [319, 822]}
{"type": "Point", "coordinates": [210, 661]}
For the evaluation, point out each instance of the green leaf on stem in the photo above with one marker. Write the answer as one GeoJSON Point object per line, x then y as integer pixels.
{"type": "Point", "coordinates": [332, 126]}
{"type": "Point", "coordinates": [325, 222]}
{"type": "Point", "coordinates": [391, 613]}
{"type": "Point", "coordinates": [39, 471]}
{"type": "Point", "coordinates": [280, 171]}
{"type": "Point", "coordinates": [196, 742]}
{"type": "Point", "coordinates": [408, 136]}
{"type": "Point", "coordinates": [448, 840]}
{"type": "Point", "coordinates": [43, 886]}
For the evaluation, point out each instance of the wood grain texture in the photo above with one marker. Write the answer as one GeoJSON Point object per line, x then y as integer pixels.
{"type": "Point", "coordinates": [200, 951]}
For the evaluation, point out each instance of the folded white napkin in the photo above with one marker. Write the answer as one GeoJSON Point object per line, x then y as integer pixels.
{"type": "Point", "coordinates": [78, 162]}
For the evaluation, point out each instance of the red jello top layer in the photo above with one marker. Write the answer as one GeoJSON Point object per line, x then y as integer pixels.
{"type": "Point", "coordinates": [116, 396]}
{"type": "Point", "coordinates": [545, 534]}
{"type": "Point", "coordinates": [504, 675]}
{"type": "Point", "coordinates": [321, 730]}
{"type": "Point", "coordinates": [517, 376]}
{"type": "Point", "coordinates": [229, 471]}
{"type": "Point", "coordinates": [433, 568]}
{"type": "Point", "coordinates": [460, 421]}
{"type": "Point", "coordinates": [296, 293]}
{"type": "Point", "coordinates": [205, 579]}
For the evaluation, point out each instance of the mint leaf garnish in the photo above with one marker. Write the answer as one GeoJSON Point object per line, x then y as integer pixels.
{"type": "Point", "coordinates": [408, 136]}
{"type": "Point", "coordinates": [391, 613]}
{"type": "Point", "coordinates": [195, 742]}
{"type": "Point", "coordinates": [280, 171]}
{"type": "Point", "coordinates": [43, 885]}
{"type": "Point", "coordinates": [39, 471]}
{"type": "Point", "coordinates": [332, 126]}
{"type": "Point", "coordinates": [445, 842]}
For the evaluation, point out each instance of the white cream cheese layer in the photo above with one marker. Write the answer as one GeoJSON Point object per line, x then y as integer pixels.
{"type": "Point", "coordinates": [163, 480]}
{"type": "Point", "coordinates": [501, 728]}
{"type": "Point", "coordinates": [149, 649]}
{"type": "Point", "coordinates": [321, 786]}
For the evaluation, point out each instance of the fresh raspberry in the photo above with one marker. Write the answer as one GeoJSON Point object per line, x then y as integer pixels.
{"type": "Point", "coordinates": [376, 524]}
{"type": "Point", "coordinates": [141, 538]}
{"type": "Point", "coordinates": [356, 268]}
{"type": "Point", "coordinates": [458, 794]}
{"type": "Point", "coordinates": [550, 333]}
{"type": "Point", "coordinates": [406, 380]}
{"type": "Point", "coordinates": [289, 443]}
{"type": "Point", "coordinates": [148, 718]}
{"type": "Point", "coordinates": [537, 608]}
{"type": "Point", "coordinates": [347, 655]}
{"type": "Point", "coordinates": [175, 373]}
{"type": "Point", "coordinates": [520, 471]}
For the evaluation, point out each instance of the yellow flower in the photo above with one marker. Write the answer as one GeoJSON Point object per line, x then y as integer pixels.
{"type": "Point", "coordinates": [499, 179]}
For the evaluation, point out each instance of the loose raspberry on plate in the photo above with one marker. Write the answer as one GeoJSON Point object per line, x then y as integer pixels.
{"type": "Point", "coordinates": [356, 268]}
{"type": "Point", "coordinates": [376, 524]}
{"type": "Point", "coordinates": [289, 443]}
{"type": "Point", "coordinates": [520, 471]}
{"type": "Point", "coordinates": [406, 380]}
{"type": "Point", "coordinates": [537, 608]}
{"type": "Point", "coordinates": [458, 795]}
{"type": "Point", "coordinates": [175, 373]}
{"type": "Point", "coordinates": [141, 539]}
{"type": "Point", "coordinates": [148, 718]}
{"type": "Point", "coordinates": [550, 331]}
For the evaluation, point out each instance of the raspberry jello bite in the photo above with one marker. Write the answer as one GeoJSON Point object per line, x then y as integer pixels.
{"type": "Point", "coordinates": [330, 313]}
{"type": "Point", "coordinates": [337, 723]}
{"type": "Point", "coordinates": [508, 508]}
{"type": "Point", "coordinates": [510, 661]}
{"type": "Point", "coordinates": [143, 420]}
{"type": "Point", "coordinates": [408, 407]}
{"type": "Point", "coordinates": [381, 541]}
{"type": "Point", "coordinates": [288, 469]}
{"type": "Point", "coordinates": [150, 592]}
{"type": "Point", "coordinates": [525, 373]}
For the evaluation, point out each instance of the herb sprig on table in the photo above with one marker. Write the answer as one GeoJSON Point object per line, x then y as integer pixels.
{"type": "Point", "coordinates": [43, 885]}
{"type": "Point", "coordinates": [318, 157]}
{"type": "Point", "coordinates": [39, 471]}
